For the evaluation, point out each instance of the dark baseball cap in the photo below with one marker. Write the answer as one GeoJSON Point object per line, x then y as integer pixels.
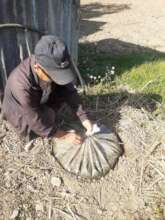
{"type": "Point", "coordinates": [52, 54]}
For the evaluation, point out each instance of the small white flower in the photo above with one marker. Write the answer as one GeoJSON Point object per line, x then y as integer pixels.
{"type": "Point", "coordinates": [112, 72]}
{"type": "Point", "coordinates": [91, 77]}
{"type": "Point", "coordinates": [113, 67]}
{"type": "Point", "coordinates": [99, 77]}
{"type": "Point", "coordinates": [94, 77]}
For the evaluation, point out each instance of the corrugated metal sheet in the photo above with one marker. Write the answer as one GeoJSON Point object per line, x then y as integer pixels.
{"type": "Point", "coordinates": [60, 17]}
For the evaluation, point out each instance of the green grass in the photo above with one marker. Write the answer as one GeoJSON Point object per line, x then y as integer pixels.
{"type": "Point", "coordinates": [143, 72]}
{"type": "Point", "coordinates": [148, 77]}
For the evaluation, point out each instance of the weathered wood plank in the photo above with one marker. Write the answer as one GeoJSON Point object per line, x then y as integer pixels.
{"type": "Point", "coordinates": [8, 38]}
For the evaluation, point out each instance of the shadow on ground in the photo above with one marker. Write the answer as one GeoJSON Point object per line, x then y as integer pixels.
{"type": "Point", "coordinates": [106, 108]}
{"type": "Point", "coordinates": [95, 58]}
{"type": "Point", "coordinates": [96, 10]}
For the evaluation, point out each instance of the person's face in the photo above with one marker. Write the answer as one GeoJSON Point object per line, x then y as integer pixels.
{"type": "Point", "coordinates": [42, 73]}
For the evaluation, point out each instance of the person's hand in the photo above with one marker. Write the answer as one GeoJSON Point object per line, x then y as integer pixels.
{"type": "Point", "coordinates": [88, 125]}
{"type": "Point", "coordinates": [71, 137]}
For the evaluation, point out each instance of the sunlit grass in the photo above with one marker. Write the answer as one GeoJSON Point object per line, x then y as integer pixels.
{"type": "Point", "coordinates": [148, 77]}
{"type": "Point", "coordinates": [143, 72]}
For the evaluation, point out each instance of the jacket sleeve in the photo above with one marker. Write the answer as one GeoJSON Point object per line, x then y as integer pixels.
{"type": "Point", "coordinates": [40, 118]}
{"type": "Point", "coordinates": [73, 99]}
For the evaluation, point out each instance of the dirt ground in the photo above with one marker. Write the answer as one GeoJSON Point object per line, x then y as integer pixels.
{"type": "Point", "coordinates": [34, 186]}
{"type": "Point", "coordinates": [32, 183]}
{"type": "Point", "coordinates": [124, 25]}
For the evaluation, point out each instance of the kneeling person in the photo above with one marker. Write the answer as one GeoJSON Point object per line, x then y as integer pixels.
{"type": "Point", "coordinates": [37, 88]}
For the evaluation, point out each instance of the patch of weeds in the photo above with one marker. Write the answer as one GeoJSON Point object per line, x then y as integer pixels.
{"type": "Point", "coordinates": [143, 72]}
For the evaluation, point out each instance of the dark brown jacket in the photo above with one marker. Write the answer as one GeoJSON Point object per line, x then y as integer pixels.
{"type": "Point", "coordinates": [22, 101]}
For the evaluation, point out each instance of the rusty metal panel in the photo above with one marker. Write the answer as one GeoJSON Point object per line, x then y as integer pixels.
{"type": "Point", "coordinates": [58, 17]}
